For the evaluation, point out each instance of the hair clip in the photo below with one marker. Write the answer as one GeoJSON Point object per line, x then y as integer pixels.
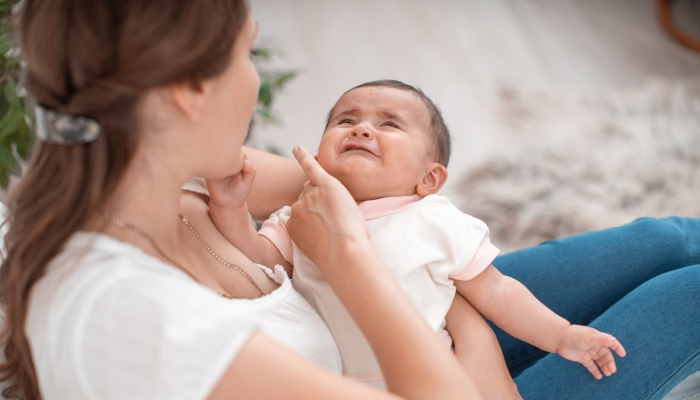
{"type": "Point", "coordinates": [64, 129]}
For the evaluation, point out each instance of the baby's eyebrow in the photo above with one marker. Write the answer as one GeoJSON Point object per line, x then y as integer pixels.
{"type": "Point", "coordinates": [388, 115]}
{"type": "Point", "coordinates": [352, 111]}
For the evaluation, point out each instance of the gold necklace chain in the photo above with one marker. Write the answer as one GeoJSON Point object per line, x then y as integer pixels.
{"type": "Point", "coordinates": [125, 225]}
{"type": "Point", "coordinates": [218, 257]}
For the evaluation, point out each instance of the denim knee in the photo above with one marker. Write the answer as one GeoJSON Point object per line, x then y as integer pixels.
{"type": "Point", "coordinates": [678, 237]}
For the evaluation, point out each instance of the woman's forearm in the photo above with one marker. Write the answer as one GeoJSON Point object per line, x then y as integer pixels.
{"type": "Point", "coordinates": [278, 183]}
{"type": "Point", "coordinates": [328, 227]}
{"type": "Point", "coordinates": [477, 350]}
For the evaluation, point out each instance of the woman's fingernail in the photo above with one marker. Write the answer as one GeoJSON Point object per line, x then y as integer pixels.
{"type": "Point", "coordinates": [295, 150]}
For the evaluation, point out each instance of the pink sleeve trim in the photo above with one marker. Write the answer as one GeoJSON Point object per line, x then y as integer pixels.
{"type": "Point", "coordinates": [483, 258]}
{"type": "Point", "coordinates": [279, 237]}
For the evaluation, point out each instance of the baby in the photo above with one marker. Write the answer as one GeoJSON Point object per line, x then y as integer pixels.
{"type": "Point", "coordinates": [387, 143]}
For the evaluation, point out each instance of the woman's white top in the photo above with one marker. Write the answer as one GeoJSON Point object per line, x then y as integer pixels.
{"type": "Point", "coordinates": [109, 321]}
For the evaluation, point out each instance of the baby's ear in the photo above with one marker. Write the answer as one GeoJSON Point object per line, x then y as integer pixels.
{"type": "Point", "coordinates": [435, 176]}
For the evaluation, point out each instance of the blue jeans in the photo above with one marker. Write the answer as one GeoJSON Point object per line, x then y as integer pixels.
{"type": "Point", "coordinates": [639, 282]}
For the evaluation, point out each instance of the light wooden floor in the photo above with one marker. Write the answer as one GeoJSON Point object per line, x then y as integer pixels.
{"type": "Point", "coordinates": [459, 52]}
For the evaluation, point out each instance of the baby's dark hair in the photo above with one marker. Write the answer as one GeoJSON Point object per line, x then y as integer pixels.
{"type": "Point", "coordinates": [440, 135]}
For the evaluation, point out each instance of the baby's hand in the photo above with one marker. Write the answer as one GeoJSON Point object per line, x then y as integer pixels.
{"type": "Point", "coordinates": [589, 347]}
{"type": "Point", "coordinates": [232, 191]}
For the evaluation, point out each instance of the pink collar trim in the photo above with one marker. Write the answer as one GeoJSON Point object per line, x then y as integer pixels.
{"type": "Point", "coordinates": [372, 209]}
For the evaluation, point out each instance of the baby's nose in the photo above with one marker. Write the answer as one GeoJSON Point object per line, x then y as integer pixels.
{"type": "Point", "coordinates": [361, 130]}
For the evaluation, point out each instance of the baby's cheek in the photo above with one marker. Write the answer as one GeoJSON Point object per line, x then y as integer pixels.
{"type": "Point", "coordinates": [325, 159]}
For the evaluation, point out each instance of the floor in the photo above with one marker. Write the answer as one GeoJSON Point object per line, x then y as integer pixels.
{"type": "Point", "coordinates": [460, 53]}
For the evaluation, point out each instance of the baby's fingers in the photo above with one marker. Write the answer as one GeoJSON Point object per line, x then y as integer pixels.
{"type": "Point", "coordinates": [593, 369]}
{"type": "Point", "coordinates": [606, 361]}
{"type": "Point", "coordinates": [609, 341]}
{"type": "Point", "coordinates": [248, 173]}
{"type": "Point", "coordinates": [616, 346]}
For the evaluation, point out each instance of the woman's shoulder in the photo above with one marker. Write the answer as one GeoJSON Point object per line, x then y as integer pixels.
{"type": "Point", "coordinates": [93, 267]}
{"type": "Point", "coordinates": [112, 316]}
{"type": "Point", "coordinates": [92, 262]}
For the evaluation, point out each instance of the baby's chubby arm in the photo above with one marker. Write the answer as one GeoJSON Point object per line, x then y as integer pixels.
{"type": "Point", "coordinates": [511, 306]}
{"type": "Point", "coordinates": [229, 212]}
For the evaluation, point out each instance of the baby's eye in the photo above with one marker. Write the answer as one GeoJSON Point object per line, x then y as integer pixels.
{"type": "Point", "coordinates": [345, 121]}
{"type": "Point", "coordinates": [391, 124]}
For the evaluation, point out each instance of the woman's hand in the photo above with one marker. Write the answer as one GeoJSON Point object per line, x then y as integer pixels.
{"type": "Point", "coordinates": [329, 228]}
{"type": "Point", "coordinates": [325, 217]}
{"type": "Point", "coordinates": [231, 192]}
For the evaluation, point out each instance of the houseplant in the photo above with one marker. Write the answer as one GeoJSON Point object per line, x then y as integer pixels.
{"type": "Point", "coordinates": [16, 115]}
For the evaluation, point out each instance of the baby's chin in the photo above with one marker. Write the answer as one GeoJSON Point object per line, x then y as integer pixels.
{"type": "Point", "coordinates": [237, 164]}
{"type": "Point", "coordinates": [364, 180]}
{"type": "Point", "coordinates": [364, 189]}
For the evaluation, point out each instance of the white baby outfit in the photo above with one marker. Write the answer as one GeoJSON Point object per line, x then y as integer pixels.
{"type": "Point", "coordinates": [424, 242]}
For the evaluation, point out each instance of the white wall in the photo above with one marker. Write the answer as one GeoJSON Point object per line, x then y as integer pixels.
{"type": "Point", "coordinates": [459, 52]}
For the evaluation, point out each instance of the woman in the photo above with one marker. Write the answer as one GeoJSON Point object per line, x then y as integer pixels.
{"type": "Point", "coordinates": [109, 293]}
{"type": "Point", "coordinates": [146, 315]}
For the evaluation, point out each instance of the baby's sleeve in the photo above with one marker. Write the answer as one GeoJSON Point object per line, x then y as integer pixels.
{"type": "Point", "coordinates": [463, 240]}
{"type": "Point", "coordinates": [275, 230]}
{"type": "Point", "coordinates": [484, 256]}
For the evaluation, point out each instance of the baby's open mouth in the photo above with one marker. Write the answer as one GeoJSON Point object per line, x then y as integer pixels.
{"type": "Point", "coordinates": [356, 146]}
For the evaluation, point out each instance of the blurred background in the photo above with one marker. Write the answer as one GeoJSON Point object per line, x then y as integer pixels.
{"type": "Point", "coordinates": [566, 115]}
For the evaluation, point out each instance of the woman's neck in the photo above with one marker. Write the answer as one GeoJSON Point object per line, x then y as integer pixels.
{"type": "Point", "coordinates": [148, 197]}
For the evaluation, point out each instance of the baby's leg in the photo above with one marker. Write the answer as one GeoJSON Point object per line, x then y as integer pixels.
{"type": "Point", "coordinates": [477, 349]}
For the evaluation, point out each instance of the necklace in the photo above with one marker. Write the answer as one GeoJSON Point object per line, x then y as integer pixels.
{"type": "Point", "coordinates": [218, 257]}
{"type": "Point", "coordinates": [125, 225]}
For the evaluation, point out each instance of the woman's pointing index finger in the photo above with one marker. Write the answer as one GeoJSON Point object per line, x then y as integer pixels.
{"type": "Point", "coordinates": [314, 173]}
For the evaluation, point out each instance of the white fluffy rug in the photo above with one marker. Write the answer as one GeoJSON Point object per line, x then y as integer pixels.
{"type": "Point", "coordinates": [572, 163]}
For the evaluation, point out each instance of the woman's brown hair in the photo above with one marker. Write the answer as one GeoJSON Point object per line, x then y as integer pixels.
{"type": "Point", "coordinates": [93, 58]}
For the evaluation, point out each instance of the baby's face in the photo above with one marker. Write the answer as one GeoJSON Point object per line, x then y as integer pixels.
{"type": "Point", "coordinates": [377, 143]}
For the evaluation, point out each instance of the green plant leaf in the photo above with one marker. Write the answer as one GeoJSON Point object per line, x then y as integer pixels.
{"type": "Point", "coordinates": [5, 43]}
{"type": "Point", "coordinates": [274, 150]}
{"type": "Point", "coordinates": [264, 53]}
{"type": "Point", "coordinates": [283, 77]}
{"type": "Point", "coordinates": [266, 115]}
{"type": "Point", "coordinates": [11, 121]}
{"type": "Point", "coordinates": [265, 94]}
{"type": "Point", "coordinates": [7, 160]}
{"type": "Point", "coordinates": [11, 93]}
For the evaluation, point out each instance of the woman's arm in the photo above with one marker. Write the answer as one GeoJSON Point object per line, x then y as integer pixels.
{"type": "Point", "coordinates": [265, 369]}
{"type": "Point", "coordinates": [478, 351]}
{"type": "Point", "coordinates": [328, 227]}
{"type": "Point", "coordinates": [278, 183]}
